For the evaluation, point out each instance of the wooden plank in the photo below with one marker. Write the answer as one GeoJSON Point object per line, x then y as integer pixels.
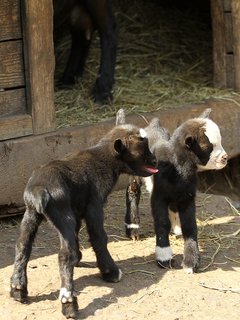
{"type": "Point", "coordinates": [227, 5]}
{"type": "Point", "coordinates": [236, 40]}
{"type": "Point", "coordinates": [228, 32]}
{"type": "Point", "coordinates": [11, 66]}
{"type": "Point", "coordinates": [21, 156]}
{"type": "Point", "coordinates": [17, 126]}
{"type": "Point", "coordinates": [39, 54]}
{"type": "Point", "coordinates": [12, 102]}
{"type": "Point", "coordinates": [10, 22]}
{"type": "Point", "coordinates": [230, 71]}
{"type": "Point", "coordinates": [219, 45]}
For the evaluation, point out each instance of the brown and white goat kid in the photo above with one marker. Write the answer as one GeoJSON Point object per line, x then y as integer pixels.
{"type": "Point", "coordinates": [194, 146]}
{"type": "Point", "coordinates": [75, 188]}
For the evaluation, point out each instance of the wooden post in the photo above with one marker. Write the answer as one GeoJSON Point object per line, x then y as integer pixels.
{"type": "Point", "coordinates": [219, 45]}
{"type": "Point", "coordinates": [235, 6]}
{"type": "Point", "coordinates": [39, 62]}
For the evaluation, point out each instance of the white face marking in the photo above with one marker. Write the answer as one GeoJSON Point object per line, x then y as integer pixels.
{"type": "Point", "coordinates": [218, 153]}
{"type": "Point", "coordinates": [163, 254]}
{"type": "Point", "coordinates": [143, 133]}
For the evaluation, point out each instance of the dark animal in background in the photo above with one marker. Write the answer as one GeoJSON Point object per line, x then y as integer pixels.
{"type": "Point", "coordinates": [75, 188]}
{"type": "Point", "coordinates": [82, 17]}
{"type": "Point", "coordinates": [194, 146]}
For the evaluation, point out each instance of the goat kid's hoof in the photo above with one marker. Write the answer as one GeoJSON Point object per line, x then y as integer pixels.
{"type": "Point", "coordinates": [133, 234]}
{"type": "Point", "coordinates": [169, 264]}
{"type": "Point", "coordinates": [19, 293]}
{"type": "Point", "coordinates": [190, 268]}
{"type": "Point", "coordinates": [112, 276]}
{"type": "Point", "coordinates": [70, 309]}
{"type": "Point", "coordinates": [69, 303]}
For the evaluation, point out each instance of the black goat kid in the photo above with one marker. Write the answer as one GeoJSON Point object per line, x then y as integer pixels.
{"type": "Point", "coordinates": [194, 146]}
{"type": "Point", "coordinates": [75, 188]}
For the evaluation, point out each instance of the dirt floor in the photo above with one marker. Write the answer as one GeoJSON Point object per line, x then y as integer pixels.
{"type": "Point", "coordinates": [145, 291]}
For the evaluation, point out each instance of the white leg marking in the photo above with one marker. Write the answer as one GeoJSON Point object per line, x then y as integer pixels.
{"type": "Point", "coordinates": [188, 270]}
{"type": "Point", "coordinates": [120, 275]}
{"type": "Point", "coordinates": [148, 183]}
{"type": "Point", "coordinates": [132, 226]}
{"type": "Point", "coordinates": [163, 254]}
{"type": "Point", "coordinates": [65, 295]}
{"type": "Point", "coordinates": [175, 222]}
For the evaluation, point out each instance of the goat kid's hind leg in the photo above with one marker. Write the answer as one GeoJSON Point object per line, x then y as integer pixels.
{"type": "Point", "coordinates": [98, 238]}
{"type": "Point", "coordinates": [132, 219]}
{"type": "Point", "coordinates": [64, 221]}
{"type": "Point", "coordinates": [191, 256]}
{"type": "Point", "coordinates": [28, 229]}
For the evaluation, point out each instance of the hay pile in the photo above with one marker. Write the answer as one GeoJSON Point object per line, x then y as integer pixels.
{"type": "Point", "coordinates": [164, 60]}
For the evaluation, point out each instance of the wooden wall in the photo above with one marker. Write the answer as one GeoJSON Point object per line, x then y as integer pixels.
{"type": "Point", "coordinates": [226, 43]}
{"type": "Point", "coordinates": [26, 68]}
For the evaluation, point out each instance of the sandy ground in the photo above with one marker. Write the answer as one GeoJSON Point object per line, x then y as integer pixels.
{"type": "Point", "coordinates": [145, 291]}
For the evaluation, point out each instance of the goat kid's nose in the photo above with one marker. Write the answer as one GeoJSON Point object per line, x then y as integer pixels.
{"type": "Point", "coordinates": [224, 157]}
{"type": "Point", "coordinates": [154, 161]}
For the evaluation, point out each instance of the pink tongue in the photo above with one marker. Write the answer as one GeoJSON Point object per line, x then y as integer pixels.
{"type": "Point", "coordinates": [151, 170]}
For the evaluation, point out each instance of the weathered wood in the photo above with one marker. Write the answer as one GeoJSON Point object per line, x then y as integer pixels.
{"type": "Point", "coordinates": [227, 5]}
{"type": "Point", "coordinates": [228, 32]}
{"type": "Point", "coordinates": [230, 71]}
{"type": "Point", "coordinates": [12, 102]}
{"type": "Point", "coordinates": [39, 54]}
{"type": "Point", "coordinates": [219, 44]}
{"type": "Point", "coordinates": [15, 126]}
{"type": "Point", "coordinates": [10, 22]}
{"type": "Point", "coordinates": [20, 156]}
{"type": "Point", "coordinates": [11, 64]}
{"type": "Point", "coordinates": [235, 5]}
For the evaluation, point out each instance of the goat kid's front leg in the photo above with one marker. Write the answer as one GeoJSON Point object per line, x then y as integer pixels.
{"type": "Point", "coordinates": [191, 255]}
{"type": "Point", "coordinates": [162, 227]}
{"type": "Point", "coordinates": [98, 238]}
{"type": "Point", "coordinates": [132, 219]}
{"type": "Point", "coordinates": [28, 229]}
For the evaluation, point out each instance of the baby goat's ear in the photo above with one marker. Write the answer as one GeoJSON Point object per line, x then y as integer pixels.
{"type": "Point", "coordinates": [119, 146]}
{"type": "Point", "coordinates": [205, 113]}
{"type": "Point", "coordinates": [189, 141]}
{"type": "Point", "coordinates": [120, 117]}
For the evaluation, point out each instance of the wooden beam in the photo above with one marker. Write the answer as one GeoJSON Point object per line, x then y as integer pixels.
{"type": "Point", "coordinates": [39, 62]}
{"type": "Point", "coordinates": [219, 44]}
{"type": "Point", "coordinates": [20, 156]}
{"type": "Point", "coordinates": [15, 126]}
{"type": "Point", "coordinates": [235, 4]}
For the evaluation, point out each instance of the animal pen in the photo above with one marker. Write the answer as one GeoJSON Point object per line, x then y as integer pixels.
{"type": "Point", "coordinates": [29, 133]}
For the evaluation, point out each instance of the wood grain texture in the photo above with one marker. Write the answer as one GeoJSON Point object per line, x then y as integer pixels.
{"type": "Point", "coordinates": [219, 44]}
{"type": "Point", "coordinates": [39, 61]}
{"type": "Point", "coordinates": [15, 126]}
{"type": "Point", "coordinates": [235, 4]}
{"type": "Point", "coordinates": [11, 64]}
{"type": "Point", "coordinates": [21, 156]}
{"type": "Point", "coordinates": [12, 102]}
{"type": "Point", "coordinates": [10, 21]}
